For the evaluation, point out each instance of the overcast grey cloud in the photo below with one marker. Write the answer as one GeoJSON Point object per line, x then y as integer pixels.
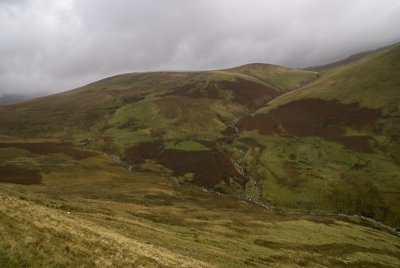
{"type": "Point", "coordinates": [53, 45]}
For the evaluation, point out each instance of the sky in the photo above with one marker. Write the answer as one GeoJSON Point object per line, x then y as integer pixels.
{"type": "Point", "coordinates": [48, 46]}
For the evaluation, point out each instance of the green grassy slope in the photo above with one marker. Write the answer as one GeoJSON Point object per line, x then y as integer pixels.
{"type": "Point", "coordinates": [334, 143]}
{"type": "Point", "coordinates": [350, 59]}
{"type": "Point", "coordinates": [280, 77]}
{"type": "Point", "coordinates": [372, 81]}
{"type": "Point", "coordinates": [90, 211]}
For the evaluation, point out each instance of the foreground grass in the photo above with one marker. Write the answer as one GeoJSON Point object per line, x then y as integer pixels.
{"type": "Point", "coordinates": [93, 212]}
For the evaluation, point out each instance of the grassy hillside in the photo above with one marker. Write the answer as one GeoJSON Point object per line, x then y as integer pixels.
{"type": "Point", "coordinates": [84, 209]}
{"type": "Point", "coordinates": [350, 59]}
{"type": "Point", "coordinates": [152, 120]}
{"type": "Point", "coordinates": [282, 78]}
{"type": "Point", "coordinates": [226, 95]}
{"type": "Point", "coordinates": [372, 81]}
{"type": "Point", "coordinates": [334, 143]}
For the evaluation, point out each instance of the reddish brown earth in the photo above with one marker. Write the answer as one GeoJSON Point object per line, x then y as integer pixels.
{"type": "Point", "coordinates": [316, 117]}
{"type": "Point", "coordinates": [209, 167]}
{"type": "Point", "coordinates": [18, 175]}
{"type": "Point", "coordinates": [248, 93]}
{"type": "Point", "coordinates": [49, 148]}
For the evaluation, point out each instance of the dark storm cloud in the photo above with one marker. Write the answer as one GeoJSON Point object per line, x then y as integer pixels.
{"type": "Point", "coordinates": [49, 46]}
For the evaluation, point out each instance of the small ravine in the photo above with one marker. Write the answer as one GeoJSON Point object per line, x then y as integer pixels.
{"type": "Point", "coordinates": [252, 190]}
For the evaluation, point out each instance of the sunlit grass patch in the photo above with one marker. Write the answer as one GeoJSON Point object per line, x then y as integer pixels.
{"type": "Point", "coordinates": [188, 145]}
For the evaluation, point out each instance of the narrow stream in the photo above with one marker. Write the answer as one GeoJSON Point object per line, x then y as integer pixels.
{"type": "Point", "coordinates": [252, 190]}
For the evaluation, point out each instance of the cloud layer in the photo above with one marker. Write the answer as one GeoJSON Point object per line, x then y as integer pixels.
{"type": "Point", "coordinates": [52, 45]}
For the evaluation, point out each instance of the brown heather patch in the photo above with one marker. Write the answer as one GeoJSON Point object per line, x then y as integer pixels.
{"type": "Point", "coordinates": [138, 153]}
{"type": "Point", "coordinates": [315, 117]}
{"type": "Point", "coordinates": [188, 90]}
{"type": "Point", "coordinates": [355, 143]}
{"type": "Point", "coordinates": [19, 175]}
{"type": "Point", "coordinates": [248, 93]}
{"type": "Point", "coordinates": [209, 167]}
{"type": "Point", "coordinates": [50, 148]}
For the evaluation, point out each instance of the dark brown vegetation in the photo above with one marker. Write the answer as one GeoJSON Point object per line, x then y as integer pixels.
{"type": "Point", "coordinates": [208, 167]}
{"type": "Point", "coordinates": [50, 148]}
{"type": "Point", "coordinates": [355, 143]}
{"type": "Point", "coordinates": [316, 117]}
{"type": "Point", "coordinates": [248, 93]}
{"type": "Point", "coordinates": [138, 154]}
{"type": "Point", "coordinates": [19, 175]}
